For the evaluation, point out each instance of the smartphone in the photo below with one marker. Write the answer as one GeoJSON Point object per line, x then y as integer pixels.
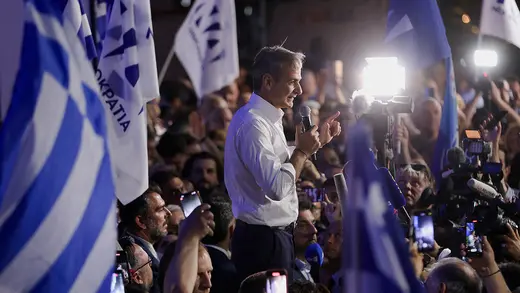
{"type": "Point", "coordinates": [122, 266]}
{"type": "Point", "coordinates": [315, 194]}
{"type": "Point", "coordinates": [276, 281]}
{"type": "Point", "coordinates": [189, 202]}
{"type": "Point", "coordinates": [423, 230]}
{"type": "Point", "coordinates": [496, 118]}
{"type": "Point", "coordinates": [117, 285]}
{"type": "Point", "coordinates": [473, 239]}
{"type": "Point", "coordinates": [472, 134]}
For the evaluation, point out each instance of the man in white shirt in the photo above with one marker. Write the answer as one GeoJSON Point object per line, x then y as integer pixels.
{"type": "Point", "coordinates": [260, 170]}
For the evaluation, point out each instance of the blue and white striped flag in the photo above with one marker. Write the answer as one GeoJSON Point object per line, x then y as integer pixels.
{"type": "Point", "coordinates": [101, 10]}
{"type": "Point", "coordinates": [57, 205]}
{"type": "Point", "coordinates": [74, 11]}
{"type": "Point", "coordinates": [206, 45]}
{"type": "Point", "coordinates": [127, 76]}
{"type": "Point", "coordinates": [375, 256]}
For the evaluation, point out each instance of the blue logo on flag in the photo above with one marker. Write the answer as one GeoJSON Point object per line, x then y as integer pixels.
{"type": "Point", "coordinates": [207, 36]}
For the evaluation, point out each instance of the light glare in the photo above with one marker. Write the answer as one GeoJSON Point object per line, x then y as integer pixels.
{"type": "Point", "coordinates": [383, 77]}
{"type": "Point", "coordinates": [485, 58]}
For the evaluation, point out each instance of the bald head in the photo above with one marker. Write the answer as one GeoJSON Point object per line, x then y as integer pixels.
{"type": "Point", "coordinates": [453, 275]}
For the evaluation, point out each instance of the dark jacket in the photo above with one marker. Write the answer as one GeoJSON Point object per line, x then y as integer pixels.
{"type": "Point", "coordinates": [224, 277]}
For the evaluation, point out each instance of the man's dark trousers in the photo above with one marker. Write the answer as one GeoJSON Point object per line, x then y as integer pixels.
{"type": "Point", "coordinates": [257, 248]}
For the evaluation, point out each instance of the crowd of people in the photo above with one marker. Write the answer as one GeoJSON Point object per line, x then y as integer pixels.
{"type": "Point", "coordinates": [258, 183]}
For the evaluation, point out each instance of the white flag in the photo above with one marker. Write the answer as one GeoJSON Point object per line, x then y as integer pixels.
{"type": "Point", "coordinates": [206, 45]}
{"type": "Point", "coordinates": [501, 19]}
{"type": "Point", "coordinates": [127, 76]}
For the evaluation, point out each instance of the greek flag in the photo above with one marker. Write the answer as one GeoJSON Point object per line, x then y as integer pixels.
{"type": "Point", "coordinates": [57, 210]}
{"type": "Point", "coordinates": [206, 45]}
{"type": "Point", "coordinates": [375, 256]}
{"type": "Point", "coordinates": [101, 10]}
{"type": "Point", "coordinates": [501, 19]}
{"type": "Point", "coordinates": [75, 13]}
{"type": "Point", "coordinates": [127, 76]}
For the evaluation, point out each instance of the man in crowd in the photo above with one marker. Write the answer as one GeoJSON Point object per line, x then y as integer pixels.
{"type": "Point", "coordinates": [205, 171]}
{"type": "Point", "coordinates": [453, 275]}
{"type": "Point", "coordinates": [146, 220]}
{"type": "Point", "coordinates": [141, 274]}
{"type": "Point", "coordinates": [304, 235]}
{"type": "Point", "coordinates": [260, 169]}
{"type": "Point", "coordinates": [332, 252]}
{"type": "Point", "coordinates": [224, 276]}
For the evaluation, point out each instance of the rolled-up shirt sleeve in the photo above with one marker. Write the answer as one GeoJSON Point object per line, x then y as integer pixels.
{"type": "Point", "coordinates": [254, 146]}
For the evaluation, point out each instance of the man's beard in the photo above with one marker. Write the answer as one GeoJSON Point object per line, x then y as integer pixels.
{"type": "Point", "coordinates": [154, 231]}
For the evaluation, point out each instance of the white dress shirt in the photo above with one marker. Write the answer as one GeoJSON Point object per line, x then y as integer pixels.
{"type": "Point", "coordinates": [259, 177]}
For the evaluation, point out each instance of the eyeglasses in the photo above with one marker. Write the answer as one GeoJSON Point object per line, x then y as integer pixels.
{"type": "Point", "coordinates": [132, 271]}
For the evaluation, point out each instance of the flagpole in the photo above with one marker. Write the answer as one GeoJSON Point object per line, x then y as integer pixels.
{"type": "Point", "coordinates": [166, 64]}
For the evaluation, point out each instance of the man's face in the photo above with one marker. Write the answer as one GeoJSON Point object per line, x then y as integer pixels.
{"type": "Point", "coordinates": [156, 221]}
{"type": "Point", "coordinates": [174, 221]}
{"type": "Point", "coordinates": [172, 190]}
{"type": "Point", "coordinates": [286, 87]}
{"type": "Point", "coordinates": [334, 240]}
{"type": "Point", "coordinates": [305, 232]}
{"type": "Point", "coordinates": [412, 186]}
{"type": "Point", "coordinates": [143, 276]}
{"type": "Point", "coordinates": [204, 173]}
{"type": "Point", "coordinates": [203, 283]}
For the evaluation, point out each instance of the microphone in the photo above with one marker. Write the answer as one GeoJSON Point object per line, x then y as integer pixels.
{"type": "Point", "coordinates": [396, 195]}
{"type": "Point", "coordinates": [314, 254]}
{"type": "Point", "coordinates": [483, 189]}
{"type": "Point", "coordinates": [305, 112]}
{"type": "Point", "coordinates": [341, 186]}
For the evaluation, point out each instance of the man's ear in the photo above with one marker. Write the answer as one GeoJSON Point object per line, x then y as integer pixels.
{"type": "Point", "coordinates": [139, 222]}
{"type": "Point", "coordinates": [442, 288]}
{"type": "Point", "coordinates": [267, 81]}
{"type": "Point", "coordinates": [137, 279]}
{"type": "Point", "coordinates": [231, 229]}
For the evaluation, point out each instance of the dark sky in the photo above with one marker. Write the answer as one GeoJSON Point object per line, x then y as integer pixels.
{"type": "Point", "coordinates": [463, 41]}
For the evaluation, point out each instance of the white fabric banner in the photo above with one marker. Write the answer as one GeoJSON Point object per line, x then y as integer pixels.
{"type": "Point", "coordinates": [127, 76]}
{"type": "Point", "coordinates": [206, 44]}
{"type": "Point", "coordinates": [501, 19]}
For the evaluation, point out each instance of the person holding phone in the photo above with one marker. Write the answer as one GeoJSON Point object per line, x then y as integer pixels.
{"type": "Point", "coordinates": [260, 170]}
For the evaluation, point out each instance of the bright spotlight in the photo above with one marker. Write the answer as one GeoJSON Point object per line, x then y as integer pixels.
{"type": "Point", "coordinates": [485, 58]}
{"type": "Point", "coordinates": [383, 76]}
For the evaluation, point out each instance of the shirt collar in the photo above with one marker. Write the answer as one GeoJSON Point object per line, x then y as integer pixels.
{"type": "Point", "coordinates": [226, 252]}
{"type": "Point", "coordinates": [271, 112]}
{"type": "Point", "coordinates": [148, 245]}
{"type": "Point", "coordinates": [303, 265]}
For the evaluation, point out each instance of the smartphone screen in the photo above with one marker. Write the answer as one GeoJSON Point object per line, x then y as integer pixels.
{"type": "Point", "coordinates": [422, 223]}
{"type": "Point", "coordinates": [276, 282]}
{"type": "Point", "coordinates": [472, 134]}
{"type": "Point", "coordinates": [117, 285]}
{"type": "Point", "coordinates": [315, 194]}
{"type": "Point", "coordinates": [473, 239]}
{"type": "Point", "coordinates": [189, 202]}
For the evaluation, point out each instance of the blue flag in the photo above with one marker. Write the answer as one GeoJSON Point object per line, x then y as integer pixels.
{"type": "Point", "coordinates": [418, 29]}
{"type": "Point", "coordinates": [57, 204]}
{"type": "Point", "coordinates": [376, 258]}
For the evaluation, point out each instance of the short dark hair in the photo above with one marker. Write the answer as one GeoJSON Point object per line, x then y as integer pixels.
{"type": "Point", "coordinates": [172, 144]}
{"type": "Point", "coordinates": [127, 243]}
{"type": "Point", "coordinates": [188, 166]}
{"type": "Point", "coordinates": [304, 204]}
{"type": "Point", "coordinates": [510, 272]}
{"type": "Point", "coordinates": [307, 287]}
{"type": "Point", "coordinates": [270, 60]}
{"type": "Point", "coordinates": [137, 207]}
{"type": "Point", "coordinates": [223, 215]}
